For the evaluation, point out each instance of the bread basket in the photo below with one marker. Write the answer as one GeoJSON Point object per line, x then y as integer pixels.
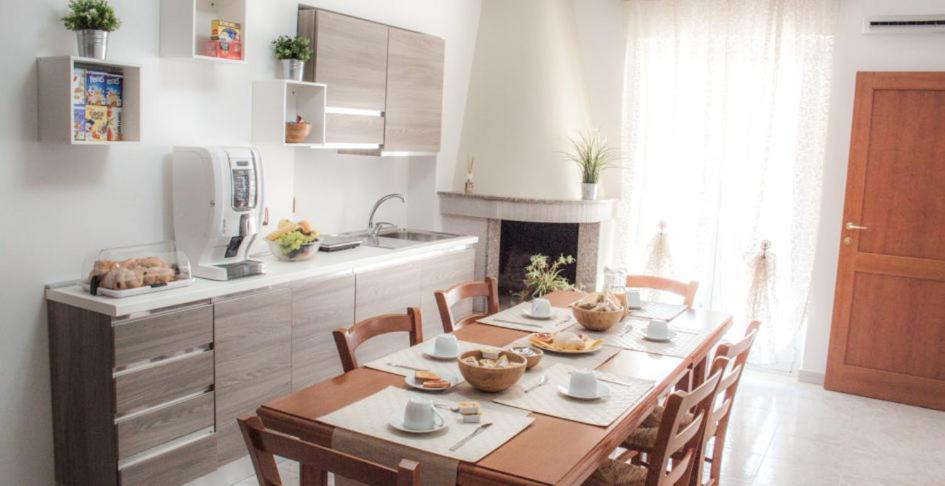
{"type": "Point", "coordinates": [596, 320]}
{"type": "Point", "coordinates": [492, 379]}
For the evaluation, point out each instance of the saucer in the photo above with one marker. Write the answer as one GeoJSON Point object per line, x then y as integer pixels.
{"type": "Point", "coordinates": [603, 391]}
{"type": "Point", "coordinates": [397, 421]}
{"type": "Point", "coordinates": [528, 314]}
{"type": "Point", "coordinates": [660, 340]}
{"type": "Point", "coordinates": [430, 352]}
{"type": "Point", "coordinates": [411, 381]}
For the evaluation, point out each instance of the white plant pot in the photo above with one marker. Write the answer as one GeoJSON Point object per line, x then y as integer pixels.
{"type": "Point", "coordinates": [92, 43]}
{"type": "Point", "coordinates": [292, 69]}
{"type": "Point", "coordinates": [589, 191]}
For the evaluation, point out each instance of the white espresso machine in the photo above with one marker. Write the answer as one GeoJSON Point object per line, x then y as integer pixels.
{"type": "Point", "coordinates": [218, 207]}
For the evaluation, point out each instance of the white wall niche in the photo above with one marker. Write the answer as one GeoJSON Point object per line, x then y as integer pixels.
{"type": "Point", "coordinates": [185, 27]}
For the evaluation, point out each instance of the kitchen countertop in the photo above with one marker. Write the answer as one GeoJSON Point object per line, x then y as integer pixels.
{"type": "Point", "coordinates": [277, 272]}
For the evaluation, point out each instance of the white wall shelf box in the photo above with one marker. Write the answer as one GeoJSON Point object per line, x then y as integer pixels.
{"type": "Point", "coordinates": [278, 101]}
{"type": "Point", "coordinates": [55, 98]}
{"type": "Point", "coordinates": [185, 27]}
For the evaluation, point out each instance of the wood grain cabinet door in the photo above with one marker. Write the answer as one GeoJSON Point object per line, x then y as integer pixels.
{"type": "Point", "coordinates": [318, 308]}
{"type": "Point", "coordinates": [414, 92]}
{"type": "Point", "coordinates": [386, 290]}
{"type": "Point", "coordinates": [253, 353]}
{"type": "Point", "coordinates": [350, 56]}
{"type": "Point", "coordinates": [440, 273]}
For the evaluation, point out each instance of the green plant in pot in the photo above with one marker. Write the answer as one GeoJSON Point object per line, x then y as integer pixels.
{"type": "Point", "coordinates": [543, 276]}
{"type": "Point", "coordinates": [592, 156]}
{"type": "Point", "coordinates": [293, 52]}
{"type": "Point", "coordinates": [91, 20]}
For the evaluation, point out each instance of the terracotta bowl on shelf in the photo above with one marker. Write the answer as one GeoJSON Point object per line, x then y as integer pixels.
{"type": "Point", "coordinates": [297, 132]}
{"type": "Point", "coordinates": [492, 379]}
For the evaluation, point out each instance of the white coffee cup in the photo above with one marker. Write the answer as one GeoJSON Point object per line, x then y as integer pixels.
{"type": "Point", "coordinates": [541, 307]}
{"type": "Point", "coordinates": [634, 299]}
{"type": "Point", "coordinates": [583, 383]}
{"type": "Point", "coordinates": [657, 329]}
{"type": "Point", "coordinates": [446, 345]}
{"type": "Point", "coordinates": [419, 414]}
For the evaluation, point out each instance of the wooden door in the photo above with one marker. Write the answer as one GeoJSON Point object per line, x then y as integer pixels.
{"type": "Point", "coordinates": [414, 92]}
{"type": "Point", "coordinates": [887, 340]}
{"type": "Point", "coordinates": [252, 360]}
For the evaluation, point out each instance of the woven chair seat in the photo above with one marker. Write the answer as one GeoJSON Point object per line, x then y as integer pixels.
{"type": "Point", "coordinates": [617, 473]}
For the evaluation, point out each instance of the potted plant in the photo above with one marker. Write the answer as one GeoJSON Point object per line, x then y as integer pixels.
{"type": "Point", "coordinates": [542, 277]}
{"type": "Point", "coordinates": [91, 20]}
{"type": "Point", "coordinates": [293, 52]}
{"type": "Point", "coordinates": [592, 155]}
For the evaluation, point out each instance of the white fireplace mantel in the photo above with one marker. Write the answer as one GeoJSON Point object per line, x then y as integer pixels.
{"type": "Point", "coordinates": [525, 209]}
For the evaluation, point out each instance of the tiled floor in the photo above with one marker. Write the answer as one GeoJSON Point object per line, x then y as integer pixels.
{"type": "Point", "coordinates": [794, 434]}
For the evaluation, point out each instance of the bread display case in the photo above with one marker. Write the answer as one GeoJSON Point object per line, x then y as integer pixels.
{"type": "Point", "coordinates": [136, 270]}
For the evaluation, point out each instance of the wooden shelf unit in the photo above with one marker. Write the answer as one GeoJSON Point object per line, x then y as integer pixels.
{"type": "Point", "coordinates": [55, 98]}
{"type": "Point", "coordinates": [185, 27]}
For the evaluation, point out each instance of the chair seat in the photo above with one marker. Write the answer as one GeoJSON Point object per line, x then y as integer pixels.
{"type": "Point", "coordinates": [617, 473]}
{"type": "Point", "coordinates": [643, 438]}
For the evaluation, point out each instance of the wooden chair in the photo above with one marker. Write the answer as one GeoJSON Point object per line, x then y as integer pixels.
{"type": "Point", "coordinates": [348, 340]}
{"type": "Point", "coordinates": [718, 418]}
{"type": "Point", "coordinates": [685, 290]}
{"type": "Point", "coordinates": [446, 299]}
{"type": "Point", "coordinates": [263, 444]}
{"type": "Point", "coordinates": [671, 461]}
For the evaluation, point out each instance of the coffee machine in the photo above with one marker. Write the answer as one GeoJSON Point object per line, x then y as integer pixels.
{"type": "Point", "coordinates": [218, 207]}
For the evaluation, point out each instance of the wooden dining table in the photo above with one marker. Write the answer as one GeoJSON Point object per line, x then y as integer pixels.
{"type": "Point", "coordinates": [550, 451]}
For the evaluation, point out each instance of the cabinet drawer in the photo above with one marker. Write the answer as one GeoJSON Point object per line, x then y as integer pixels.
{"type": "Point", "coordinates": [159, 383]}
{"type": "Point", "coordinates": [345, 128]}
{"type": "Point", "coordinates": [165, 333]}
{"type": "Point", "coordinates": [164, 424]}
{"type": "Point", "coordinates": [176, 466]}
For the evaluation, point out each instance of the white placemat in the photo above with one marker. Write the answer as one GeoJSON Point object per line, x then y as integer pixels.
{"type": "Point", "coordinates": [658, 310]}
{"type": "Point", "coordinates": [589, 361]}
{"type": "Point", "coordinates": [414, 358]}
{"type": "Point", "coordinates": [630, 335]}
{"type": "Point", "coordinates": [547, 400]}
{"type": "Point", "coordinates": [370, 416]}
{"type": "Point", "coordinates": [514, 318]}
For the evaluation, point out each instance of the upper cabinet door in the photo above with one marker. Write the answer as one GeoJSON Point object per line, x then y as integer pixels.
{"type": "Point", "coordinates": [350, 56]}
{"type": "Point", "coordinates": [414, 91]}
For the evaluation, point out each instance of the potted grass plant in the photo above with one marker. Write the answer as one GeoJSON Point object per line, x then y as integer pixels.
{"type": "Point", "coordinates": [592, 156]}
{"type": "Point", "coordinates": [91, 20]}
{"type": "Point", "coordinates": [293, 52]}
{"type": "Point", "coordinates": [543, 276]}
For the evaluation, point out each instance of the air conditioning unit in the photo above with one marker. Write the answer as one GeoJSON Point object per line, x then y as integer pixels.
{"type": "Point", "coordinates": [904, 24]}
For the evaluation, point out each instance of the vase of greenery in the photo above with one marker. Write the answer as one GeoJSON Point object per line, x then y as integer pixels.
{"type": "Point", "coordinates": [91, 20]}
{"type": "Point", "coordinates": [293, 52]}
{"type": "Point", "coordinates": [542, 276]}
{"type": "Point", "coordinates": [592, 155]}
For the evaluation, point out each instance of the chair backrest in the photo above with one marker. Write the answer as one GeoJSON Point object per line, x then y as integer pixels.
{"type": "Point", "coordinates": [446, 299]}
{"type": "Point", "coordinates": [671, 461]}
{"type": "Point", "coordinates": [263, 444]}
{"type": "Point", "coordinates": [685, 290]}
{"type": "Point", "coordinates": [348, 340]}
{"type": "Point", "coordinates": [718, 418]}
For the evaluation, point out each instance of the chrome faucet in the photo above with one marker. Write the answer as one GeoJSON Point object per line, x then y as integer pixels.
{"type": "Point", "coordinates": [374, 228]}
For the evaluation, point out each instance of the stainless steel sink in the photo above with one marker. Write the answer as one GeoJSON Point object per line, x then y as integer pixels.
{"type": "Point", "coordinates": [395, 238]}
{"type": "Point", "coordinates": [415, 235]}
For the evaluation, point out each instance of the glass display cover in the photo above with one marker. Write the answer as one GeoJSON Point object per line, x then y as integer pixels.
{"type": "Point", "coordinates": [135, 270]}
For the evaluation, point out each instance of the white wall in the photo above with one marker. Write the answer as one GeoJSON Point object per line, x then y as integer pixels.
{"type": "Point", "coordinates": [59, 203]}
{"type": "Point", "coordinates": [857, 52]}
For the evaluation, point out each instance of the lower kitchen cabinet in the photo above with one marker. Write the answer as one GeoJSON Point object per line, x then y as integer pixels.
{"type": "Point", "coordinates": [440, 273]}
{"type": "Point", "coordinates": [385, 290]}
{"type": "Point", "coordinates": [319, 307]}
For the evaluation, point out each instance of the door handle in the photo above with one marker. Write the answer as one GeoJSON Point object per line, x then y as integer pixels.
{"type": "Point", "coordinates": [851, 226]}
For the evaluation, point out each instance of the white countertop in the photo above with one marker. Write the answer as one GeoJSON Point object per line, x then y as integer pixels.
{"type": "Point", "coordinates": [277, 272]}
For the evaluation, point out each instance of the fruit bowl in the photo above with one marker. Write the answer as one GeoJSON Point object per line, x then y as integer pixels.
{"type": "Point", "coordinates": [304, 252]}
{"type": "Point", "coordinates": [492, 379]}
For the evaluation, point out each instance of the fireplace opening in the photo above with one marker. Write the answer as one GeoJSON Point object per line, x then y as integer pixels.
{"type": "Point", "coordinates": [520, 240]}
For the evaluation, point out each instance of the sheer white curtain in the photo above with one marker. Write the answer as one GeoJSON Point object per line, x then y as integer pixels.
{"type": "Point", "coordinates": [724, 126]}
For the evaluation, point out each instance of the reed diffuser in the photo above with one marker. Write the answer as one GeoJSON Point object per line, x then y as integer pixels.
{"type": "Point", "coordinates": [469, 175]}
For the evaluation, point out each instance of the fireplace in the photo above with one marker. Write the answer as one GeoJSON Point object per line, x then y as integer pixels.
{"type": "Point", "coordinates": [520, 240]}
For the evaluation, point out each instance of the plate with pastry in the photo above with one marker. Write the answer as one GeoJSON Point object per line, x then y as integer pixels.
{"type": "Point", "coordinates": [431, 382]}
{"type": "Point", "coordinates": [566, 342]}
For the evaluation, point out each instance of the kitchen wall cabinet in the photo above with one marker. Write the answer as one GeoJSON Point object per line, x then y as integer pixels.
{"type": "Point", "coordinates": [318, 308]}
{"type": "Point", "coordinates": [253, 351]}
{"type": "Point", "coordinates": [414, 92]}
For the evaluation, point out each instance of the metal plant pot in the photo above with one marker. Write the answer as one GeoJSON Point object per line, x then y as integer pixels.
{"type": "Point", "coordinates": [588, 191]}
{"type": "Point", "coordinates": [92, 43]}
{"type": "Point", "coordinates": [292, 69]}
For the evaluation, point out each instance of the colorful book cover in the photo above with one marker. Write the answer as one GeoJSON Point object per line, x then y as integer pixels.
{"type": "Point", "coordinates": [224, 31]}
{"type": "Point", "coordinates": [78, 86]}
{"type": "Point", "coordinates": [78, 122]}
{"type": "Point", "coordinates": [114, 124]}
{"type": "Point", "coordinates": [96, 123]}
{"type": "Point", "coordinates": [95, 88]}
{"type": "Point", "coordinates": [113, 89]}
